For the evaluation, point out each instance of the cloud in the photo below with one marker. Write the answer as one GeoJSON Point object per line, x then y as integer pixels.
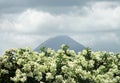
{"type": "Point", "coordinates": [35, 21]}
{"type": "Point", "coordinates": [13, 6]}
{"type": "Point", "coordinates": [16, 40]}
{"type": "Point", "coordinates": [92, 25]}
{"type": "Point", "coordinates": [103, 41]}
{"type": "Point", "coordinates": [32, 3]}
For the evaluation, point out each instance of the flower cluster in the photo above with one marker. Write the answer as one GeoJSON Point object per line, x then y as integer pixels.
{"type": "Point", "coordinates": [62, 66]}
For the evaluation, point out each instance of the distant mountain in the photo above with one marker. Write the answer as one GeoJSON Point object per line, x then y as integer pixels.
{"type": "Point", "coordinates": [56, 42]}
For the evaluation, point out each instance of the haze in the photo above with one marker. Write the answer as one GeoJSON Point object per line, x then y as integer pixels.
{"type": "Point", "coordinates": [93, 23]}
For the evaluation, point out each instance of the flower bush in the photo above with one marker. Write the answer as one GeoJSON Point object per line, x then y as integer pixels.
{"type": "Point", "coordinates": [64, 66]}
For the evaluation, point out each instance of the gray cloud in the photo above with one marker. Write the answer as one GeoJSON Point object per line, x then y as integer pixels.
{"type": "Point", "coordinates": [55, 6]}
{"type": "Point", "coordinates": [49, 5]}
{"type": "Point", "coordinates": [32, 3]}
{"type": "Point", "coordinates": [28, 23]}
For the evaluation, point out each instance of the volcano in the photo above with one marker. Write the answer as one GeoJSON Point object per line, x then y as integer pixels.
{"type": "Point", "coordinates": [56, 42]}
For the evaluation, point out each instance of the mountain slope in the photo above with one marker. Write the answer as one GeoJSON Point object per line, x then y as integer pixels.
{"type": "Point", "coordinates": [57, 41]}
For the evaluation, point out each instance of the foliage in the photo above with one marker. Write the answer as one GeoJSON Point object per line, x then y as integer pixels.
{"type": "Point", "coordinates": [64, 66]}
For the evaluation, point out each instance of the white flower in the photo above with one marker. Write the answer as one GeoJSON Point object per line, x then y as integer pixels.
{"type": "Point", "coordinates": [101, 69]}
{"type": "Point", "coordinates": [64, 69]}
{"type": "Point", "coordinates": [20, 61]}
{"type": "Point", "coordinates": [59, 78]}
{"type": "Point", "coordinates": [27, 67]}
{"type": "Point", "coordinates": [35, 65]}
{"type": "Point", "coordinates": [38, 76]}
{"type": "Point", "coordinates": [19, 76]}
{"type": "Point", "coordinates": [70, 80]}
{"type": "Point", "coordinates": [78, 70]}
{"type": "Point", "coordinates": [91, 63]}
{"type": "Point", "coordinates": [23, 79]}
{"type": "Point", "coordinates": [53, 68]}
{"type": "Point", "coordinates": [96, 55]}
{"type": "Point", "coordinates": [60, 51]}
{"type": "Point", "coordinates": [8, 65]}
{"type": "Point", "coordinates": [63, 45]}
{"type": "Point", "coordinates": [30, 74]}
{"type": "Point", "coordinates": [3, 71]}
{"type": "Point", "coordinates": [119, 56]}
{"type": "Point", "coordinates": [84, 52]}
{"type": "Point", "coordinates": [49, 76]}
{"type": "Point", "coordinates": [49, 50]}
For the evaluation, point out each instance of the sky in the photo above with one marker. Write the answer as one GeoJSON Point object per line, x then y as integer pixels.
{"type": "Point", "coordinates": [93, 23]}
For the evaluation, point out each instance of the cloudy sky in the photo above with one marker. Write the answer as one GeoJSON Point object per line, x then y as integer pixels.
{"type": "Point", "coordinates": [93, 23]}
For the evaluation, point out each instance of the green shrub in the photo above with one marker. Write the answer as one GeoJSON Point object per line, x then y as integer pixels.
{"type": "Point", "coordinates": [63, 66]}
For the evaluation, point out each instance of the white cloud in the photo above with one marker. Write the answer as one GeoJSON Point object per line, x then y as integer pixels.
{"type": "Point", "coordinates": [31, 25]}
{"type": "Point", "coordinates": [16, 40]}
{"type": "Point", "coordinates": [31, 20]}
{"type": "Point", "coordinates": [98, 17]}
